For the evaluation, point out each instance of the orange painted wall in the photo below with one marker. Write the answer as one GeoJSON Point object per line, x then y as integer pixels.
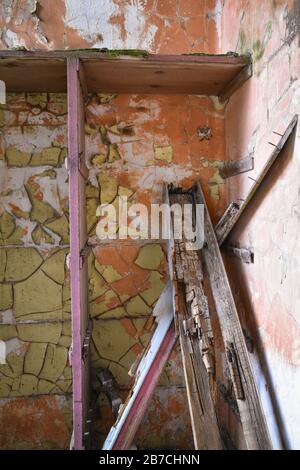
{"type": "Point", "coordinates": [267, 292]}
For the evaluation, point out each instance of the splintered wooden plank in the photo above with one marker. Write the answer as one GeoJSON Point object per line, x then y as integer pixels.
{"type": "Point", "coordinates": [252, 417]}
{"type": "Point", "coordinates": [205, 428]}
{"type": "Point", "coordinates": [234, 211]}
{"type": "Point", "coordinates": [147, 374]}
{"type": "Point", "coordinates": [193, 322]}
{"type": "Point", "coordinates": [78, 269]}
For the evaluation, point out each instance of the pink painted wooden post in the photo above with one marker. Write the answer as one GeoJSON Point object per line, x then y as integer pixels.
{"type": "Point", "coordinates": [78, 268]}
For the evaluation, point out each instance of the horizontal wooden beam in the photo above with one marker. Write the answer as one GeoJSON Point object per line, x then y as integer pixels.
{"type": "Point", "coordinates": [120, 72]}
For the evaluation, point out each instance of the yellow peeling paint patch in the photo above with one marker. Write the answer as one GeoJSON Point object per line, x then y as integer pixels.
{"type": "Point", "coordinates": [214, 183]}
{"type": "Point", "coordinates": [34, 358]}
{"type": "Point", "coordinates": [164, 153]}
{"type": "Point", "coordinates": [118, 312]}
{"type": "Point", "coordinates": [40, 333]}
{"type": "Point", "coordinates": [108, 272]}
{"type": "Point", "coordinates": [150, 256]}
{"type": "Point", "coordinates": [16, 157]}
{"type": "Point", "coordinates": [217, 103]}
{"type": "Point", "coordinates": [151, 294]}
{"type": "Point", "coordinates": [7, 331]}
{"type": "Point", "coordinates": [113, 153]}
{"type": "Point", "coordinates": [48, 156]}
{"type": "Point", "coordinates": [108, 188]}
{"type": "Point", "coordinates": [90, 130]}
{"type": "Point", "coordinates": [37, 294]}
{"type": "Point", "coordinates": [105, 97]}
{"type": "Point", "coordinates": [127, 192]}
{"type": "Point", "coordinates": [7, 225]}
{"type": "Point", "coordinates": [137, 306]}
{"type": "Point", "coordinates": [40, 236]}
{"type": "Point", "coordinates": [28, 384]}
{"type": "Point", "coordinates": [54, 266]}
{"type": "Point", "coordinates": [98, 159]}
{"type": "Point", "coordinates": [13, 366]}
{"type": "Point", "coordinates": [6, 297]}
{"type": "Point", "coordinates": [55, 362]}
{"type": "Point", "coordinates": [37, 99]}
{"type": "Point", "coordinates": [60, 227]}
{"type": "Point", "coordinates": [21, 263]}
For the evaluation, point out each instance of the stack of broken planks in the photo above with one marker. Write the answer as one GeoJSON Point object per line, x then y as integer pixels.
{"type": "Point", "coordinates": [184, 304]}
{"type": "Point", "coordinates": [183, 311]}
{"type": "Point", "coordinates": [193, 324]}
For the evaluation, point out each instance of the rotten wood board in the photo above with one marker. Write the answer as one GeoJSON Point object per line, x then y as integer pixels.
{"type": "Point", "coordinates": [235, 209]}
{"type": "Point", "coordinates": [251, 413]}
{"type": "Point", "coordinates": [204, 423]}
{"type": "Point", "coordinates": [192, 318]}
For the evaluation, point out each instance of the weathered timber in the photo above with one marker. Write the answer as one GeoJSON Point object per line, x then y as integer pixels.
{"type": "Point", "coordinates": [192, 318]}
{"type": "Point", "coordinates": [234, 211]}
{"type": "Point", "coordinates": [252, 417]}
{"type": "Point", "coordinates": [225, 224]}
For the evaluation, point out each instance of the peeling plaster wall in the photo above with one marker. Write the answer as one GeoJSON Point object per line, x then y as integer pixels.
{"type": "Point", "coordinates": [135, 144]}
{"type": "Point", "coordinates": [268, 291]}
{"type": "Point", "coordinates": [158, 26]}
{"type": "Point", "coordinates": [35, 382]}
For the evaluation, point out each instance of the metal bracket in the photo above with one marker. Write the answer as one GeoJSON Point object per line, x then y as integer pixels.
{"type": "Point", "coordinates": [246, 255]}
{"type": "Point", "coordinates": [110, 387]}
{"type": "Point", "coordinates": [87, 341]}
{"type": "Point", "coordinates": [84, 254]}
{"type": "Point", "coordinates": [82, 166]}
{"type": "Point", "coordinates": [236, 167]}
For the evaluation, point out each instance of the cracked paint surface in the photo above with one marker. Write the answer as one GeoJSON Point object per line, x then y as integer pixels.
{"type": "Point", "coordinates": [133, 146]}
{"type": "Point", "coordinates": [35, 320]}
{"type": "Point", "coordinates": [155, 140]}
